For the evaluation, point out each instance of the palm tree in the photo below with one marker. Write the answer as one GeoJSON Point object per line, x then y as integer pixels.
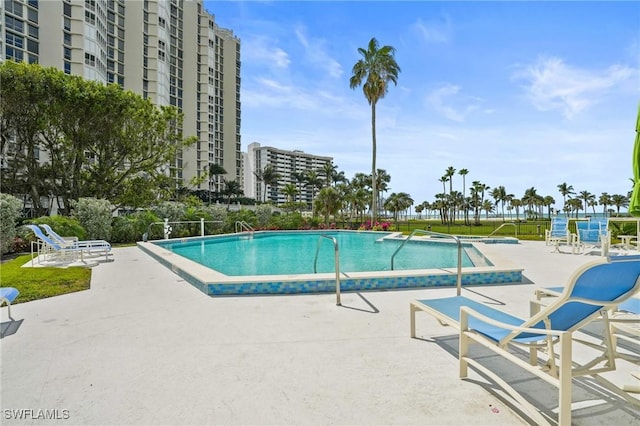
{"type": "Point", "coordinates": [516, 203]}
{"type": "Point", "coordinates": [328, 202]}
{"type": "Point", "coordinates": [338, 177]}
{"type": "Point", "coordinates": [619, 200]}
{"type": "Point", "coordinates": [397, 203]}
{"type": "Point", "coordinates": [375, 69]}
{"type": "Point", "coordinates": [487, 206]}
{"type": "Point", "coordinates": [604, 200]}
{"type": "Point", "coordinates": [290, 190]}
{"type": "Point", "coordinates": [232, 188]}
{"type": "Point", "coordinates": [314, 181]}
{"type": "Point", "coordinates": [463, 173]}
{"type": "Point", "coordinates": [449, 175]}
{"type": "Point", "coordinates": [499, 193]}
{"type": "Point", "coordinates": [269, 177]}
{"type": "Point", "coordinates": [587, 197]}
{"type": "Point", "coordinates": [300, 178]}
{"type": "Point", "coordinates": [214, 171]}
{"type": "Point", "coordinates": [382, 183]}
{"type": "Point", "coordinates": [549, 201]}
{"type": "Point", "coordinates": [565, 191]}
{"type": "Point", "coordinates": [328, 169]}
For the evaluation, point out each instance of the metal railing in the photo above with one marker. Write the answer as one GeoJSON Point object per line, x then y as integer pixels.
{"type": "Point", "coordinates": [453, 237]}
{"type": "Point", "coordinates": [168, 229]}
{"type": "Point", "coordinates": [502, 226]}
{"type": "Point", "coordinates": [336, 253]}
{"type": "Point", "coordinates": [242, 226]}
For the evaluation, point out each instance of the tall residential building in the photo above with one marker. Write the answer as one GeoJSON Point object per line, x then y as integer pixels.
{"type": "Point", "coordinates": [169, 51]}
{"type": "Point", "coordinates": [287, 164]}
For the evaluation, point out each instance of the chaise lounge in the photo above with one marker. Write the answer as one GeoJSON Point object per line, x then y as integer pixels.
{"type": "Point", "coordinates": [591, 292]}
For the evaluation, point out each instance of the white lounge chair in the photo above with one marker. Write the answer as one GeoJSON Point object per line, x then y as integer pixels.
{"type": "Point", "coordinates": [7, 296]}
{"type": "Point", "coordinates": [591, 292]}
{"type": "Point", "coordinates": [558, 233]}
{"type": "Point", "coordinates": [69, 250]}
{"type": "Point", "coordinates": [591, 234]}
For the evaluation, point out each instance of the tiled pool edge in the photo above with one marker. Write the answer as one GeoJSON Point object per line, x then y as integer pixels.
{"type": "Point", "coordinates": [214, 283]}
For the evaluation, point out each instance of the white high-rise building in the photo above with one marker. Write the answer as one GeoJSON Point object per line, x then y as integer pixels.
{"type": "Point", "coordinates": [287, 164]}
{"type": "Point", "coordinates": [169, 51]}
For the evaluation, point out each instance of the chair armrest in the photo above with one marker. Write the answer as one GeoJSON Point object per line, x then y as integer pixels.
{"type": "Point", "coordinates": [464, 321]}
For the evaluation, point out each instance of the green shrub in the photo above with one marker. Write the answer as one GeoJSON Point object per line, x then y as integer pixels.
{"type": "Point", "coordinates": [263, 212]}
{"type": "Point", "coordinates": [288, 221]}
{"type": "Point", "coordinates": [130, 228]}
{"type": "Point", "coordinates": [63, 225]}
{"type": "Point", "coordinates": [10, 209]}
{"type": "Point", "coordinates": [95, 216]}
{"type": "Point", "coordinates": [172, 210]}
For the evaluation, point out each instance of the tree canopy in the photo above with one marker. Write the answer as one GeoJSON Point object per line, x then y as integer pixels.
{"type": "Point", "coordinates": [67, 138]}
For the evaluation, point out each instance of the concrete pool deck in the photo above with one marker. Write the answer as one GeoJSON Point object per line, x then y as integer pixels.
{"type": "Point", "coordinates": [142, 346]}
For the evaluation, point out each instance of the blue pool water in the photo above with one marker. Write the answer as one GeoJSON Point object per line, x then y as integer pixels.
{"type": "Point", "coordinates": [293, 252]}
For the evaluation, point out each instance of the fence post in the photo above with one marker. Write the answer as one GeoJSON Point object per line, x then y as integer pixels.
{"type": "Point", "coordinates": [202, 226]}
{"type": "Point", "coordinates": [167, 229]}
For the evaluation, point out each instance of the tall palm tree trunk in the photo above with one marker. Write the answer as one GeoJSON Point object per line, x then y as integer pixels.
{"type": "Point", "coordinates": [374, 186]}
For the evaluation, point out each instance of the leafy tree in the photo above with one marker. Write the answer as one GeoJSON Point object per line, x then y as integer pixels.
{"type": "Point", "coordinates": [95, 217]}
{"type": "Point", "coordinates": [10, 209]}
{"type": "Point", "coordinates": [101, 141]}
{"type": "Point", "coordinates": [374, 71]}
{"type": "Point", "coordinates": [587, 197]}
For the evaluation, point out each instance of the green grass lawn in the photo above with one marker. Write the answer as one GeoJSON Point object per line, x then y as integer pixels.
{"type": "Point", "coordinates": [38, 283]}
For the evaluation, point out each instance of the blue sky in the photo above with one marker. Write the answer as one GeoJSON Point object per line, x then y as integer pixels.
{"type": "Point", "coordinates": [521, 94]}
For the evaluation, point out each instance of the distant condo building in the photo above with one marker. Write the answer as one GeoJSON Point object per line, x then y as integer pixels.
{"type": "Point", "coordinates": [169, 51]}
{"type": "Point", "coordinates": [286, 164]}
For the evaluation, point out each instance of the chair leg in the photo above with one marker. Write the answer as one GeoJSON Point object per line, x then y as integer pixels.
{"type": "Point", "coordinates": [564, 397]}
{"type": "Point", "coordinates": [463, 349]}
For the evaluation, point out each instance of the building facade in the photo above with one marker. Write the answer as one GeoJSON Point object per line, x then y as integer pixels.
{"type": "Point", "coordinates": [289, 165]}
{"type": "Point", "coordinates": [169, 51]}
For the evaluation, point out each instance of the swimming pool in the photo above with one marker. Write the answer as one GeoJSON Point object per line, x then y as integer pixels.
{"type": "Point", "coordinates": [293, 252]}
{"type": "Point", "coordinates": [216, 282]}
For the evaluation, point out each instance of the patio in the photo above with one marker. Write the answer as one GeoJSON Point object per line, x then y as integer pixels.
{"type": "Point", "coordinates": [142, 346]}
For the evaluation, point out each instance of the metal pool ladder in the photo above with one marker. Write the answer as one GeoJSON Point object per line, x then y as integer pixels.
{"type": "Point", "coordinates": [241, 225]}
{"type": "Point", "coordinates": [453, 237]}
{"type": "Point", "coordinates": [336, 253]}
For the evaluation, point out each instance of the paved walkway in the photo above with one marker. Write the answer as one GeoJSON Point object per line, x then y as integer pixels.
{"type": "Point", "coordinates": [144, 347]}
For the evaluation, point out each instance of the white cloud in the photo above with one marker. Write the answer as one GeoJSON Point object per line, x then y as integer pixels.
{"type": "Point", "coordinates": [263, 50]}
{"type": "Point", "coordinates": [550, 84]}
{"type": "Point", "coordinates": [316, 53]}
{"type": "Point", "coordinates": [433, 32]}
{"type": "Point", "coordinates": [448, 101]}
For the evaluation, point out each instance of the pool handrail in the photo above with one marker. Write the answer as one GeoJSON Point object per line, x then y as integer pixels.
{"type": "Point", "coordinates": [505, 224]}
{"type": "Point", "coordinates": [457, 240]}
{"type": "Point", "coordinates": [242, 226]}
{"type": "Point", "coordinates": [336, 253]}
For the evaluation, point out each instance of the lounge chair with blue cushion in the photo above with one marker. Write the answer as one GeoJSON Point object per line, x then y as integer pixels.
{"type": "Point", "coordinates": [7, 296]}
{"type": "Point", "coordinates": [591, 292]}
{"type": "Point", "coordinates": [558, 233]}
{"type": "Point", "coordinates": [67, 252]}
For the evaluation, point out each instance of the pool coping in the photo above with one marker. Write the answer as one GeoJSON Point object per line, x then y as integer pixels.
{"type": "Point", "coordinates": [214, 283]}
